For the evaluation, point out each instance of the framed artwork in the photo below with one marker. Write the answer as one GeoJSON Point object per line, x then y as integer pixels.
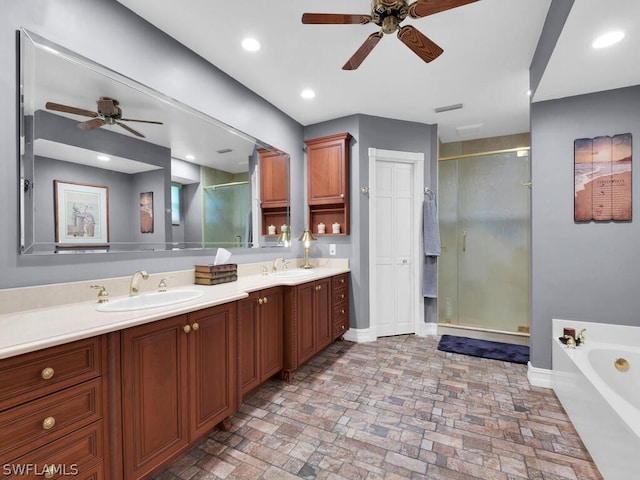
{"type": "Point", "coordinates": [602, 178]}
{"type": "Point", "coordinates": [81, 214]}
{"type": "Point", "coordinates": [146, 212]}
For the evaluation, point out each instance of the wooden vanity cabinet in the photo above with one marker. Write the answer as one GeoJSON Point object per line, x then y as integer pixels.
{"type": "Point", "coordinates": [178, 382]}
{"type": "Point", "coordinates": [340, 292]}
{"type": "Point", "coordinates": [328, 182]}
{"type": "Point", "coordinates": [308, 323]}
{"type": "Point", "coordinates": [53, 412]}
{"type": "Point", "coordinates": [260, 338]}
{"type": "Point", "coordinates": [274, 189]}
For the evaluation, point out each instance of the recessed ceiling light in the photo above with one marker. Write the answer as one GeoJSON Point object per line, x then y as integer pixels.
{"type": "Point", "coordinates": [188, 156]}
{"type": "Point", "coordinates": [307, 93]}
{"type": "Point", "coordinates": [103, 158]}
{"type": "Point", "coordinates": [251, 44]}
{"type": "Point", "coordinates": [608, 39]}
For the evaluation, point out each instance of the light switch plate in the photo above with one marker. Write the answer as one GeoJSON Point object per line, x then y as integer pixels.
{"type": "Point", "coordinates": [332, 249]}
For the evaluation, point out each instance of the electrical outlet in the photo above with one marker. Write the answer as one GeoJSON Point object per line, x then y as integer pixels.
{"type": "Point", "coordinates": [332, 249]}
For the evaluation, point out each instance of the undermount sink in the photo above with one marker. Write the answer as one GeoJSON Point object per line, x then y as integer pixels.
{"type": "Point", "coordinates": [149, 300]}
{"type": "Point", "coordinates": [291, 273]}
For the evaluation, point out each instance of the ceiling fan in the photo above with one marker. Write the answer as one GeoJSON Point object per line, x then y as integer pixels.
{"type": "Point", "coordinates": [388, 14]}
{"type": "Point", "coordinates": [109, 113]}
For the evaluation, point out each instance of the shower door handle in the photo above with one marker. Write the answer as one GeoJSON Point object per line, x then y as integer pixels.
{"type": "Point", "coordinates": [464, 242]}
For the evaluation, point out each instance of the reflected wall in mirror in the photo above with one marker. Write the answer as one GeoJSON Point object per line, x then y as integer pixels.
{"type": "Point", "coordinates": [83, 123]}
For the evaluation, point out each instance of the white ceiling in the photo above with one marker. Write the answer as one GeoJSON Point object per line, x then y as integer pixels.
{"type": "Point", "coordinates": [488, 47]}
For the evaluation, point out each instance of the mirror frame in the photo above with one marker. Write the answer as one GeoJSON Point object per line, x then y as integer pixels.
{"type": "Point", "coordinates": [26, 159]}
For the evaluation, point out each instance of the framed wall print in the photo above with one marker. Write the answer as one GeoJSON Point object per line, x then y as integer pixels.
{"type": "Point", "coordinates": [602, 179]}
{"type": "Point", "coordinates": [81, 214]}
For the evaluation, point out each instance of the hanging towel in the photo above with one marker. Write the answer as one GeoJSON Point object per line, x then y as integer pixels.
{"type": "Point", "coordinates": [431, 234]}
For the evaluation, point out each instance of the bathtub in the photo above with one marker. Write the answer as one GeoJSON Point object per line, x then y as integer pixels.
{"type": "Point", "coordinates": [602, 402]}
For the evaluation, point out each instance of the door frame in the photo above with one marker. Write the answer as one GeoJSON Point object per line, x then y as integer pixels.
{"type": "Point", "coordinates": [417, 159]}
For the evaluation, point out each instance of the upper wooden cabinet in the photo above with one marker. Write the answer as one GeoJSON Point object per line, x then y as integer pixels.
{"type": "Point", "coordinates": [328, 182]}
{"type": "Point", "coordinates": [274, 189]}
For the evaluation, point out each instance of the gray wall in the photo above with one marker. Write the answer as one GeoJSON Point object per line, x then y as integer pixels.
{"type": "Point", "coordinates": [138, 50]}
{"type": "Point", "coordinates": [367, 132]}
{"type": "Point", "coordinates": [579, 271]}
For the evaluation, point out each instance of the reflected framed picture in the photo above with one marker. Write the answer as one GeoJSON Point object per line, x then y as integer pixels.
{"type": "Point", "coordinates": [81, 214]}
{"type": "Point", "coordinates": [146, 212]}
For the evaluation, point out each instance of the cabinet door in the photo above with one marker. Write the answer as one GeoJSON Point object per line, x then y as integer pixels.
{"type": "Point", "coordinates": [154, 406]}
{"type": "Point", "coordinates": [322, 313]}
{"type": "Point", "coordinates": [306, 332]}
{"type": "Point", "coordinates": [274, 173]}
{"type": "Point", "coordinates": [327, 169]}
{"type": "Point", "coordinates": [272, 333]}
{"type": "Point", "coordinates": [248, 343]}
{"type": "Point", "coordinates": [212, 367]}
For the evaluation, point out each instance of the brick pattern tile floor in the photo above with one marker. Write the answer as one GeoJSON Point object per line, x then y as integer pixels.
{"type": "Point", "coordinates": [394, 409]}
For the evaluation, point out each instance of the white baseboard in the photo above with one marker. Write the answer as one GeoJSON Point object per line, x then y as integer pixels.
{"type": "Point", "coordinates": [360, 335]}
{"type": "Point", "coordinates": [539, 377]}
{"type": "Point", "coordinates": [426, 329]}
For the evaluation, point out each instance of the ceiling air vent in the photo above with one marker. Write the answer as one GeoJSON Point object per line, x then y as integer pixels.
{"type": "Point", "coordinates": [448, 108]}
{"type": "Point", "coordinates": [224, 150]}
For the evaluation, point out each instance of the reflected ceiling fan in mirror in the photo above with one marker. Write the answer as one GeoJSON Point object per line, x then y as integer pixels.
{"type": "Point", "coordinates": [109, 113]}
{"type": "Point", "coordinates": [388, 14]}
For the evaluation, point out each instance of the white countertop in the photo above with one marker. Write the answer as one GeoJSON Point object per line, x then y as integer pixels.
{"type": "Point", "coordinates": [30, 330]}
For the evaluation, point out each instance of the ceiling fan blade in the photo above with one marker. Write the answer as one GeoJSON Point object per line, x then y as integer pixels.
{"type": "Point", "coordinates": [67, 109]}
{"type": "Point", "coordinates": [107, 107]}
{"type": "Point", "coordinates": [334, 19]}
{"type": "Point", "coordinates": [419, 43]}
{"type": "Point", "coordinates": [91, 124]}
{"type": "Point", "coordinates": [364, 50]}
{"type": "Point", "coordinates": [131, 130]}
{"type": "Point", "coordinates": [142, 121]}
{"type": "Point", "coordinates": [423, 8]}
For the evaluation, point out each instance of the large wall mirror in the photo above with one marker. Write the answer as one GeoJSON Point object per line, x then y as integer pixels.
{"type": "Point", "coordinates": [109, 165]}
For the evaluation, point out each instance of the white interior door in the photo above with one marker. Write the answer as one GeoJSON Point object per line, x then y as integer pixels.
{"type": "Point", "coordinates": [394, 241]}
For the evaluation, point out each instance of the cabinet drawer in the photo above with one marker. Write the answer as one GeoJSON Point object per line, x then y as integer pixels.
{"type": "Point", "coordinates": [78, 456]}
{"type": "Point", "coordinates": [43, 420]}
{"type": "Point", "coordinates": [340, 295]}
{"type": "Point", "coordinates": [340, 319]}
{"type": "Point", "coordinates": [341, 280]}
{"type": "Point", "coordinates": [35, 374]}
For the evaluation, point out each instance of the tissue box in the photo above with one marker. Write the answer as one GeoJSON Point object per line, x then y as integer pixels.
{"type": "Point", "coordinates": [216, 274]}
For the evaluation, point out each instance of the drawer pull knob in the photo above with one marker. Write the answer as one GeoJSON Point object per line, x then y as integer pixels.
{"type": "Point", "coordinates": [264, 300]}
{"type": "Point", "coordinates": [195, 326]}
{"type": "Point", "coordinates": [186, 328]}
{"type": "Point", "coordinates": [341, 296]}
{"type": "Point", "coordinates": [342, 281]}
{"type": "Point", "coordinates": [260, 301]}
{"type": "Point", "coordinates": [47, 373]}
{"type": "Point", "coordinates": [342, 311]}
{"type": "Point", "coordinates": [48, 423]}
{"type": "Point", "coordinates": [48, 472]}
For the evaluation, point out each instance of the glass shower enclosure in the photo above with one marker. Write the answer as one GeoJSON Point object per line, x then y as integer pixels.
{"type": "Point", "coordinates": [484, 218]}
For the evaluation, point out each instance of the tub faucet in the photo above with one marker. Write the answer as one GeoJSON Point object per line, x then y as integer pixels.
{"type": "Point", "coordinates": [134, 286]}
{"type": "Point", "coordinates": [580, 336]}
{"type": "Point", "coordinates": [571, 343]}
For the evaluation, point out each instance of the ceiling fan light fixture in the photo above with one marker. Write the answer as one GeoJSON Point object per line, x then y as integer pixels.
{"type": "Point", "coordinates": [608, 39]}
{"type": "Point", "coordinates": [251, 44]}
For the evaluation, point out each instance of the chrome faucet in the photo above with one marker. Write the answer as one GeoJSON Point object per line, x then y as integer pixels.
{"type": "Point", "coordinates": [134, 286]}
